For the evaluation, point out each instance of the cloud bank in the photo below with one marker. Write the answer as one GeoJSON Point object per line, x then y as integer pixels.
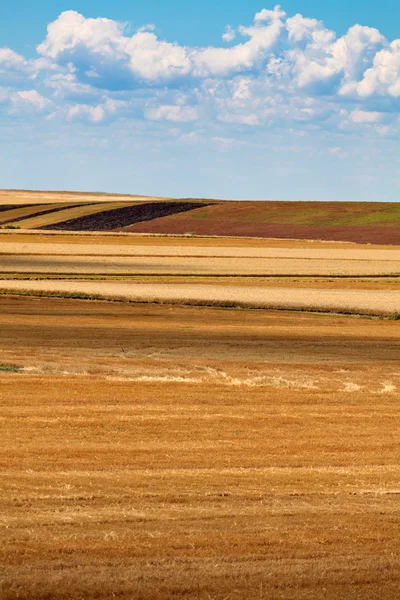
{"type": "Point", "coordinates": [277, 71]}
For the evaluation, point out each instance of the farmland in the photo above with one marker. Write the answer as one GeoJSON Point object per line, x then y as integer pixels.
{"type": "Point", "coordinates": [188, 417]}
{"type": "Point", "coordinates": [362, 222]}
{"type": "Point", "coordinates": [207, 271]}
{"type": "Point", "coordinates": [155, 452]}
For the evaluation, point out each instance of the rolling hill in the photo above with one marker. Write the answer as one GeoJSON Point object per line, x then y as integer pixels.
{"type": "Point", "coordinates": [360, 222]}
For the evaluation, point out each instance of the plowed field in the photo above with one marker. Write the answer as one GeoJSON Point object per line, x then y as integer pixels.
{"type": "Point", "coordinates": [191, 453]}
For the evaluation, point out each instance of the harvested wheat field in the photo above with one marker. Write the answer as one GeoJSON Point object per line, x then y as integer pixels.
{"type": "Point", "coordinates": [179, 450]}
{"type": "Point", "coordinates": [160, 452]}
{"type": "Point", "coordinates": [361, 301]}
{"type": "Point", "coordinates": [257, 273]}
{"type": "Point", "coordinates": [12, 197]}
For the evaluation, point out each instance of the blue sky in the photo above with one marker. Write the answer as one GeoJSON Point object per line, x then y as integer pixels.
{"type": "Point", "coordinates": [243, 100]}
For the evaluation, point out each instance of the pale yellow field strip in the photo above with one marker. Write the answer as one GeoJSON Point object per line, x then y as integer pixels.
{"type": "Point", "coordinates": [40, 197]}
{"type": "Point", "coordinates": [69, 213]}
{"type": "Point", "coordinates": [26, 211]}
{"type": "Point", "coordinates": [153, 265]}
{"type": "Point", "coordinates": [78, 249]}
{"type": "Point", "coordinates": [380, 302]}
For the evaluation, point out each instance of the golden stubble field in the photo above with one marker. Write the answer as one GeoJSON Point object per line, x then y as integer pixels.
{"type": "Point", "coordinates": [155, 452]}
{"type": "Point", "coordinates": [11, 197]}
{"type": "Point", "coordinates": [285, 274]}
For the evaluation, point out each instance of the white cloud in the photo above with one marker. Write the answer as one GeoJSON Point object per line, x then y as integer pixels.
{"type": "Point", "coordinates": [30, 101]}
{"type": "Point", "coordinates": [383, 77]}
{"type": "Point", "coordinates": [102, 53]}
{"type": "Point", "coordinates": [176, 113]}
{"type": "Point", "coordinates": [276, 14]}
{"type": "Point", "coordinates": [362, 116]}
{"type": "Point", "coordinates": [94, 114]}
{"type": "Point", "coordinates": [241, 57]}
{"type": "Point", "coordinates": [282, 71]}
{"type": "Point", "coordinates": [14, 69]}
{"type": "Point", "coordinates": [229, 34]}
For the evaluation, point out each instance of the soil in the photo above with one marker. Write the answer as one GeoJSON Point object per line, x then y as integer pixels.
{"type": "Point", "coordinates": [121, 217]}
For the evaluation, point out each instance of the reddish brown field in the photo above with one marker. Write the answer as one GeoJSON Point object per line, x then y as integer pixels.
{"type": "Point", "coordinates": [171, 453]}
{"type": "Point", "coordinates": [363, 222]}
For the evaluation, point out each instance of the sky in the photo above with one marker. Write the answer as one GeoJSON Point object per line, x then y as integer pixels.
{"type": "Point", "coordinates": [238, 99]}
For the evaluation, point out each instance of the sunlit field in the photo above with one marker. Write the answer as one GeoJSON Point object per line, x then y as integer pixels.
{"type": "Point", "coordinates": [197, 417]}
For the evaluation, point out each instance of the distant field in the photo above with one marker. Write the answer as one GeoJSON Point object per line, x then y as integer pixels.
{"type": "Point", "coordinates": [58, 213]}
{"type": "Point", "coordinates": [197, 265]}
{"type": "Point", "coordinates": [44, 197]}
{"type": "Point", "coordinates": [359, 222]}
{"type": "Point", "coordinates": [20, 214]}
{"type": "Point", "coordinates": [354, 278]}
{"type": "Point", "coordinates": [93, 216]}
{"type": "Point", "coordinates": [381, 302]}
{"type": "Point", "coordinates": [363, 222]}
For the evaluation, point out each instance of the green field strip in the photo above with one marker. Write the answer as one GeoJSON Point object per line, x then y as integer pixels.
{"type": "Point", "coordinates": [70, 213]}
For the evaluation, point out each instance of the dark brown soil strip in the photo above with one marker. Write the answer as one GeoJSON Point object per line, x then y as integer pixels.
{"type": "Point", "coordinates": [122, 217]}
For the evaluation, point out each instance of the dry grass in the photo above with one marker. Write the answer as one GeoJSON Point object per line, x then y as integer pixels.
{"type": "Point", "coordinates": [381, 302]}
{"type": "Point", "coordinates": [35, 222]}
{"type": "Point", "coordinates": [50, 197]}
{"type": "Point", "coordinates": [214, 250]}
{"type": "Point", "coordinates": [260, 273]}
{"type": "Point", "coordinates": [326, 283]}
{"type": "Point", "coordinates": [189, 265]}
{"type": "Point", "coordinates": [26, 211]}
{"type": "Point", "coordinates": [193, 453]}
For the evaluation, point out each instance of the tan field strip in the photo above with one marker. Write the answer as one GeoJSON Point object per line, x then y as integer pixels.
{"type": "Point", "coordinates": [27, 211]}
{"type": "Point", "coordinates": [357, 301]}
{"type": "Point", "coordinates": [67, 214]}
{"type": "Point", "coordinates": [44, 197]}
{"type": "Point", "coordinates": [155, 249]}
{"type": "Point", "coordinates": [193, 265]}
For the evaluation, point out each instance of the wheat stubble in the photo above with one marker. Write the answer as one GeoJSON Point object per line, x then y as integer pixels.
{"type": "Point", "coordinates": [154, 452]}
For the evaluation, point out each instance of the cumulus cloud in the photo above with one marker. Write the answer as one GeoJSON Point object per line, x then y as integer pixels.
{"type": "Point", "coordinates": [229, 34]}
{"type": "Point", "coordinates": [15, 70]}
{"type": "Point", "coordinates": [96, 114]}
{"type": "Point", "coordinates": [83, 112]}
{"type": "Point", "coordinates": [176, 113]}
{"type": "Point", "coordinates": [362, 116]}
{"type": "Point", "coordinates": [30, 101]}
{"type": "Point", "coordinates": [105, 57]}
{"type": "Point", "coordinates": [278, 70]}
